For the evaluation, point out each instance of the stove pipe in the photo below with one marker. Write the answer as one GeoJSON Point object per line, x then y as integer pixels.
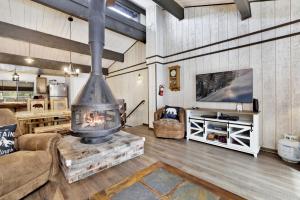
{"type": "Point", "coordinates": [95, 99]}
{"type": "Point", "coordinates": [96, 33]}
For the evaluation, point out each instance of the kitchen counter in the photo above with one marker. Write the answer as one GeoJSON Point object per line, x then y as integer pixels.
{"type": "Point", "coordinates": [14, 106]}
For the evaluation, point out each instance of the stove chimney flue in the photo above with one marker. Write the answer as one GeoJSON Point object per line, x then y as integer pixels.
{"type": "Point", "coordinates": [95, 112]}
{"type": "Point", "coordinates": [96, 33]}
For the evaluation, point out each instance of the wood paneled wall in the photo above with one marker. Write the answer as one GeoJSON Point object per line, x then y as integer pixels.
{"type": "Point", "coordinates": [133, 56]}
{"type": "Point", "coordinates": [76, 84]}
{"type": "Point", "coordinates": [123, 81]}
{"type": "Point", "coordinates": [276, 62]}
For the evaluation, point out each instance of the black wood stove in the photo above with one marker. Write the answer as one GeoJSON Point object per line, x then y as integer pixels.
{"type": "Point", "coordinates": [95, 113]}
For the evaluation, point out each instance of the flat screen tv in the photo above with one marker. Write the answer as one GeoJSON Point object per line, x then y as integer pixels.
{"type": "Point", "coordinates": [230, 86]}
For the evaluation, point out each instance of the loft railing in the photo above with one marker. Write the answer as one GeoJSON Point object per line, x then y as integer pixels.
{"type": "Point", "coordinates": [141, 103]}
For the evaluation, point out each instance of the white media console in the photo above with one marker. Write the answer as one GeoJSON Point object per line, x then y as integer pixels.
{"type": "Point", "coordinates": [240, 135]}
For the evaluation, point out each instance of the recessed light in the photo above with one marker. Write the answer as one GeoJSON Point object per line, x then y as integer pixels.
{"type": "Point", "coordinates": [66, 70]}
{"type": "Point", "coordinates": [29, 60]}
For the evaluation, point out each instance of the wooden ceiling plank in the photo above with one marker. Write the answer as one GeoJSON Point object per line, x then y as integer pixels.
{"type": "Point", "coordinates": [114, 21]}
{"type": "Point", "coordinates": [44, 39]}
{"type": "Point", "coordinates": [40, 63]}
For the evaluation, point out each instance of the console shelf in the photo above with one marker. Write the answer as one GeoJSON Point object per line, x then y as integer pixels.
{"type": "Point", "coordinates": [241, 135]}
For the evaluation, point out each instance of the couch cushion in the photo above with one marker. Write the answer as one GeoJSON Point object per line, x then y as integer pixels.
{"type": "Point", "coordinates": [9, 118]}
{"type": "Point", "coordinates": [7, 137]}
{"type": "Point", "coordinates": [17, 169]}
{"type": "Point", "coordinates": [171, 112]}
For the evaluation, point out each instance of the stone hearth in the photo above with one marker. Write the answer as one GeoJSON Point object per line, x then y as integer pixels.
{"type": "Point", "coordinates": [78, 160]}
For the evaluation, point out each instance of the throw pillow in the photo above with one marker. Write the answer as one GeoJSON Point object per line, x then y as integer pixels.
{"type": "Point", "coordinates": [7, 137]}
{"type": "Point", "coordinates": [171, 112]}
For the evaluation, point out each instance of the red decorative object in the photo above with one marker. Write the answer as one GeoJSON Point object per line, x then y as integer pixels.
{"type": "Point", "coordinates": [161, 90]}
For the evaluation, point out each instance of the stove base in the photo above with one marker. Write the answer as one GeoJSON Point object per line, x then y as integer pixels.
{"type": "Point", "coordinates": [96, 140]}
{"type": "Point", "coordinates": [105, 136]}
{"type": "Point", "coordinates": [79, 161]}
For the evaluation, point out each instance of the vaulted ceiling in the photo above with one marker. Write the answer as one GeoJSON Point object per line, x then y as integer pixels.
{"type": "Point", "coordinates": [45, 19]}
{"type": "Point", "coordinates": [36, 17]}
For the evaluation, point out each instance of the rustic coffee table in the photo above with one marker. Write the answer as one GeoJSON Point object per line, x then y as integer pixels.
{"type": "Point", "coordinates": [79, 161]}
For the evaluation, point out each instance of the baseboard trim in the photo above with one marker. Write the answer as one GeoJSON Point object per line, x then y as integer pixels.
{"type": "Point", "coordinates": [273, 151]}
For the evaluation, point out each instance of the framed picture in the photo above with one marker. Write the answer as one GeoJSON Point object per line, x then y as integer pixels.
{"type": "Point", "coordinates": [59, 104]}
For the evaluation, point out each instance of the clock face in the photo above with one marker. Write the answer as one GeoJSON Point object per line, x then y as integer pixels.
{"type": "Point", "coordinates": [173, 73]}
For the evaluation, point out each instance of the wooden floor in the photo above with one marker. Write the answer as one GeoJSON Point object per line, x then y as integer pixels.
{"type": "Point", "coordinates": [266, 177]}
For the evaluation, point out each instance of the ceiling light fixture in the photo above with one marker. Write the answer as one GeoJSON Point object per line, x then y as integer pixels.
{"type": "Point", "coordinates": [29, 60]}
{"type": "Point", "coordinates": [70, 70]}
{"type": "Point", "coordinates": [15, 76]}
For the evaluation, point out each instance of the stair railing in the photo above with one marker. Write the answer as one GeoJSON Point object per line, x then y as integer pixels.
{"type": "Point", "coordinates": [141, 103]}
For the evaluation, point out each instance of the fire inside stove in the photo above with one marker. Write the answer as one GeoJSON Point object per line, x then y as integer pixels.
{"type": "Point", "coordinates": [95, 119]}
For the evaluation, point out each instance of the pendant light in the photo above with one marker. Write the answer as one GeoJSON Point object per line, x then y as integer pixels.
{"type": "Point", "coordinates": [70, 70]}
{"type": "Point", "coordinates": [15, 76]}
{"type": "Point", "coordinates": [29, 60]}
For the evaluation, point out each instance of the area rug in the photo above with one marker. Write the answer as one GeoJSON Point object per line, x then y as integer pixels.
{"type": "Point", "coordinates": [161, 181]}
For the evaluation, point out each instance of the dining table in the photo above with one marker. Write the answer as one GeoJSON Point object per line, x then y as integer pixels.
{"type": "Point", "coordinates": [27, 120]}
{"type": "Point", "coordinates": [14, 106]}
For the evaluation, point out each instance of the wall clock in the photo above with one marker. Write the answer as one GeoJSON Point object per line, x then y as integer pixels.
{"type": "Point", "coordinates": [174, 78]}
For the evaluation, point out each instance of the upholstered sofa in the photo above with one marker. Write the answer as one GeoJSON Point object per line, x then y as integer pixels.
{"type": "Point", "coordinates": [32, 165]}
{"type": "Point", "coordinates": [169, 128]}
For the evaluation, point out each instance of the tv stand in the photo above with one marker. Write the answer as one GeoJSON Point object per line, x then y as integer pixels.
{"type": "Point", "coordinates": [241, 135]}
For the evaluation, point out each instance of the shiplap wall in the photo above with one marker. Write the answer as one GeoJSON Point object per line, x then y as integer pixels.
{"type": "Point", "coordinates": [76, 84]}
{"type": "Point", "coordinates": [127, 86]}
{"type": "Point", "coordinates": [276, 64]}
{"type": "Point", "coordinates": [155, 46]}
{"type": "Point", "coordinates": [134, 55]}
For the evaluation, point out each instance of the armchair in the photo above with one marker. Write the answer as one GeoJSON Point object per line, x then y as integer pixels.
{"type": "Point", "coordinates": [169, 128]}
{"type": "Point", "coordinates": [32, 165]}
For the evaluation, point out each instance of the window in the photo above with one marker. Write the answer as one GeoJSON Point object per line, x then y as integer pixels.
{"type": "Point", "coordinates": [125, 11]}
{"type": "Point", "coordinates": [16, 91]}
